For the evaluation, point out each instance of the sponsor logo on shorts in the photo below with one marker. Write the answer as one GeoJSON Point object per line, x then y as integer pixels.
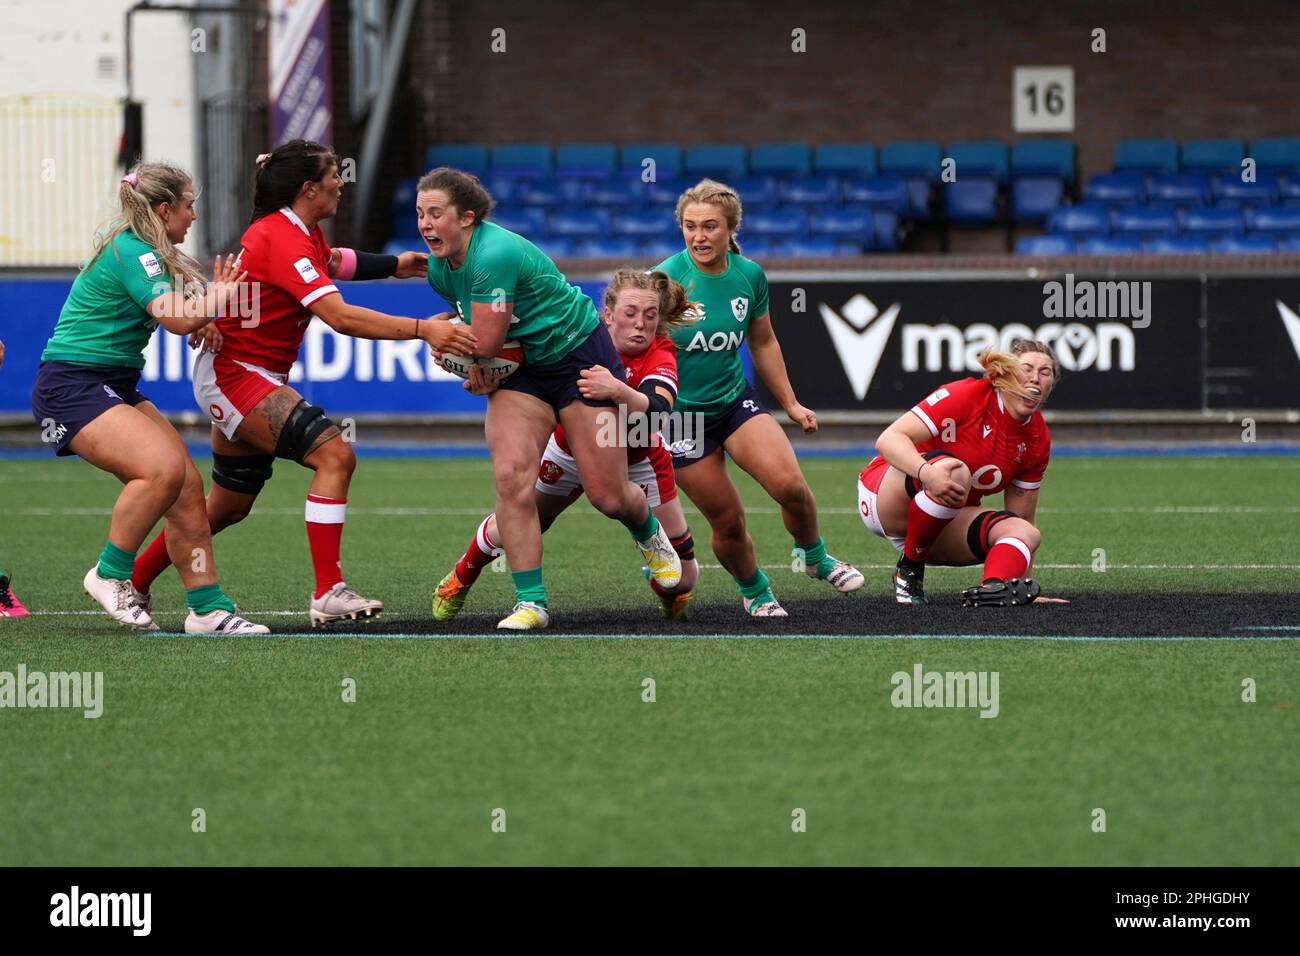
{"type": "Point", "coordinates": [111, 393]}
{"type": "Point", "coordinates": [686, 448]}
{"type": "Point", "coordinates": [751, 405]}
{"type": "Point", "coordinates": [216, 412]}
{"type": "Point", "coordinates": [550, 473]}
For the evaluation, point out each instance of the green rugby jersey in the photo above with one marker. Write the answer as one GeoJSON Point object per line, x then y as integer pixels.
{"type": "Point", "coordinates": [709, 371]}
{"type": "Point", "coordinates": [105, 320]}
{"type": "Point", "coordinates": [550, 319]}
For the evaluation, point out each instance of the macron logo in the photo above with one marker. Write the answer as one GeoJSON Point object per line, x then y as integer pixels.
{"type": "Point", "coordinates": [860, 332]}
{"type": "Point", "coordinates": [1291, 322]}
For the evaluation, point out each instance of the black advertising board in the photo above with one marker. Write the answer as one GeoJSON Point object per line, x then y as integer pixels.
{"type": "Point", "coordinates": [863, 344]}
{"type": "Point", "coordinates": [1254, 342]}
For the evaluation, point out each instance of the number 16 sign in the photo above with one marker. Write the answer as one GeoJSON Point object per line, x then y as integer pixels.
{"type": "Point", "coordinates": [1042, 99]}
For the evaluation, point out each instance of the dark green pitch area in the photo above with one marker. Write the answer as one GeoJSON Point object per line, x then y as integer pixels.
{"type": "Point", "coordinates": [1183, 574]}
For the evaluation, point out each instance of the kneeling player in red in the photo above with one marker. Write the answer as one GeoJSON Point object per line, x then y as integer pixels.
{"type": "Point", "coordinates": [968, 439]}
{"type": "Point", "coordinates": [640, 309]}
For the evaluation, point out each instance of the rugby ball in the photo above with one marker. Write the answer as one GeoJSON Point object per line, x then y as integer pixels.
{"type": "Point", "coordinates": [499, 368]}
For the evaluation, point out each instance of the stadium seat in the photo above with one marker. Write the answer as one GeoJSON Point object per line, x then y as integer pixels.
{"type": "Point", "coordinates": [780, 159]}
{"type": "Point", "coordinates": [1180, 189]}
{"type": "Point", "coordinates": [656, 250]}
{"type": "Point", "coordinates": [1084, 219]}
{"type": "Point", "coordinates": [584, 160]}
{"type": "Point", "coordinates": [1176, 245]}
{"type": "Point", "coordinates": [846, 159]}
{"type": "Point", "coordinates": [664, 192]}
{"type": "Point", "coordinates": [1273, 221]}
{"type": "Point", "coordinates": [1288, 187]}
{"type": "Point", "coordinates": [886, 230]}
{"type": "Point", "coordinates": [404, 195]}
{"type": "Point", "coordinates": [1289, 243]}
{"type": "Point", "coordinates": [1212, 156]}
{"type": "Point", "coordinates": [469, 157]}
{"type": "Point", "coordinates": [608, 247]}
{"type": "Point", "coordinates": [878, 192]}
{"type": "Point", "coordinates": [852, 224]}
{"type": "Point", "coordinates": [980, 158]}
{"type": "Point", "coordinates": [814, 247]}
{"type": "Point", "coordinates": [1244, 244]}
{"type": "Point", "coordinates": [778, 223]}
{"type": "Point", "coordinates": [522, 160]}
{"type": "Point", "coordinates": [1041, 171]}
{"type": "Point", "coordinates": [755, 246]}
{"type": "Point", "coordinates": [578, 223]}
{"type": "Point", "coordinates": [1145, 222]}
{"type": "Point", "coordinates": [820, 190]}
{"type": "Point", "coordinates": [1110, 246]}
{"type": "Point", "coordinates": [1153, 156]}
{"type": "Point", "coordinates": [1033, 197]}
{"type": "Point", "coordinates": [645, 224]}
{"type": "Point", "coordinates": [543, 192]}
{"type": "Point", "coordinates": [971, 199]}
{"type": "Point", "coordinates": [918, 162]}
{"type": "Point", "coordinates": [613, 191]}
{"type": "Point", "coordinates": [1210, 222]}
{"type": "Point", "coordinates": [667, 159]}
{"type": "Point", "coordinates": [529, 222]}
{"type": "Point", "coordinates": [1278, 154]}
{"type": "Point", "coordinates": [722, 161]}
{"type": "Point", "coordinates": [1232, 192]}
{"type": "Point", "coordinates": [756, 191]}
{"type": "Point", "coordinates": [1049, 245]}
{"type": "Point", "coordinates": [557, 247]}
{"type": "Point", "coordinates": [1116, 189]}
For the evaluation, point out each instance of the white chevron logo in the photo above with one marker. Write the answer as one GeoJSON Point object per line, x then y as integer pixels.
{"type": "Point", "coordinates": [860, 335]}
{"type": "Point", "coordinates": [1291, 322]}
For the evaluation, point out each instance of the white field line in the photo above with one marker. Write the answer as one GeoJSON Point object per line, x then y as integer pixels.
{"type": "Point", "coordinates": [560, 635]}
{"type": "Point", "coordinates": [403, 512]}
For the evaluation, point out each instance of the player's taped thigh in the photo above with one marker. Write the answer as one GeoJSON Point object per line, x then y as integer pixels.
{"type": "Point", "coordinates": [910, 484]}
{"type": "Point", "coordinates": [977, 535]}
{"type": "Point", "coordinates": [242, 474]}
{"type": "Point", "coordinates": [303, 426]}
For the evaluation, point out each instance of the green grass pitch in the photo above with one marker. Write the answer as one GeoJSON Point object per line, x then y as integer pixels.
{"type": "Point", "coordinates": [743, 730]}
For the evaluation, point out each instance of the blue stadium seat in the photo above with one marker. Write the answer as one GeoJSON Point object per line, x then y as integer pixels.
{"type": "Point", "coordinates": [656, 250]}
{"type": "Point", "coordinates": [608, 247]}
{"type": "Point", "coordinates": [613, 191]}
{"type": "Point", "coordinates": [820, 190]}
{"type": "Point", "coordinates": [556, 247]}
{"type": "Point", "coordinates": [971, 199]}
{"type": "Point", "coordinates": [664, 192]}
{"type": "Point", "coordinates": [578, 223]}
{"type": "Point", "coordinates": [1033, 196]}
{"type": "Point", "coordinates": [919, 163]}
{"type": "Point", "coordinates": [522, 160]}
{"type": "Point", "coordinates": [1110, 246]}
{"type": "Point", "coordinates": [1244, 244]}
{"type": "Point", "coordinates": [878, 192]}
{"type": "Point", "coordinates": [1212, 156]}
{"type": "Point", "coordinates": [404, 195]}
{"type": "Point", "coordinates": [1231, 191]}
{"type": "Point", "coordinates": [529, 222]}
{"type": "Point", "coordinates": [542, 192]}
{"type": "Point", "coordinates": [502, 188]}
{"type": "Point", "coordinates": [1041, 169]}
{"type": "Point", "coordinates": [1044, 246]}
{"type": "Point", "coordinates": [846, 159]}
{"type": "Point", "coordinates": [1154, 156]}
{"type": "Point", "coordinates": [1180, 189]}
{"type": "Point", "coordinates": [1210, 222]}
{"type": "Point", "coordinates": [1116, 189]}
{"type": "Point", "coordinates": [815, 247]}
{"type": "Point", "coordinates": [756, 191]}
{"type": "Point", "coordinates": [780, 159]}
{"type": "Point", "coordinates": [1176, 245]}
{"type": "Point", "coordinates": [850, 247]}
{"type": "Point", "coordinates": [854, 224]}
{"type": "Point", "coordinates": [1288, 187]}
{"type": "Point", "coordinates": [1084, 219]}
{"type": "Point", "coordinates": [584, 160]}
{"type": "Point", "coordinates": [981, 158]}
{"type": "Point", "coordinates": [645, 224]}
{"type": "Point", "coordinates": [1280, 154]}
{"type": "Point", "coordinates": [1145, 222]}
{"type": "Point", "coordinates": [756, 246]}
{"type": "Point", "coordinates": [667, 159]}
{"type": "Point", "coordinates": [723, 161]}
{"type": "Point", "coordinates": [778, 223]}
{"type": "Point", "coordinates": [468, 157]}
{"type": "Point", "coordinates": [886, 230]}
{"type": "Point", "coordinates": [1274, 221]}
{"type": "Point", "coordinates": [1289, 243]}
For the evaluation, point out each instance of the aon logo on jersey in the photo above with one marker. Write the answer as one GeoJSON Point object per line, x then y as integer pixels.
{"type": "Point", "coordinates": [717, 342]}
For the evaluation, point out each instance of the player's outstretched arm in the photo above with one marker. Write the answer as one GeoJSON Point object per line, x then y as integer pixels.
{"type": "Point", "coordinates": [181, 315]}
{"type": "Point", "coordinates": [354, 320]}
{"type": "Point", "coordinates": [352, 265]}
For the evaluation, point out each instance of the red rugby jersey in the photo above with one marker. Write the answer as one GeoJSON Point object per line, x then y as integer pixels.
{"type": "Point", "coordinates": [969, 419]}
{"type": "Point", "coordinates": [290, 264]}
{"type": "Point", "coordinates": [659, 362]}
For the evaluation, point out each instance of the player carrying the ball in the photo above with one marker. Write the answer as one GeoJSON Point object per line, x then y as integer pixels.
{"type": "Point", "coordinates": [733, 303]}
{"type": "Point", "coordinates": [967, 439]}
{"type": "Point", "coordinates": [640, 308]}
{"type": "Point", "coordinates": [241, 381]}
{"type": "Point", "coordinates": [499, 282]}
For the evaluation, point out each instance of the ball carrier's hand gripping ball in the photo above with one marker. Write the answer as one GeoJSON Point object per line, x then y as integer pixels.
{"type": "Point", "coordinates": [498, 368]}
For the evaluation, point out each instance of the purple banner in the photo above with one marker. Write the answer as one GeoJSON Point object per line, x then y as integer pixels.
{"type": "Point", "coordinates": [300, 71]}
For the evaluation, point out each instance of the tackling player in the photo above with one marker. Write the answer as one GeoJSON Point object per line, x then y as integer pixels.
{"type": "Point", "coordinates": [732, 293]}
{"type": "Point", "coordinates": [640, 308]}
{"type": "Point", "coordinates": [257, 417]}
{"type": "Point", "coordinates": [968, 439]}
{"type": "Point", "coordinates": [499, 281]}
{"type": "Point", "coordinates": [87, 404]}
